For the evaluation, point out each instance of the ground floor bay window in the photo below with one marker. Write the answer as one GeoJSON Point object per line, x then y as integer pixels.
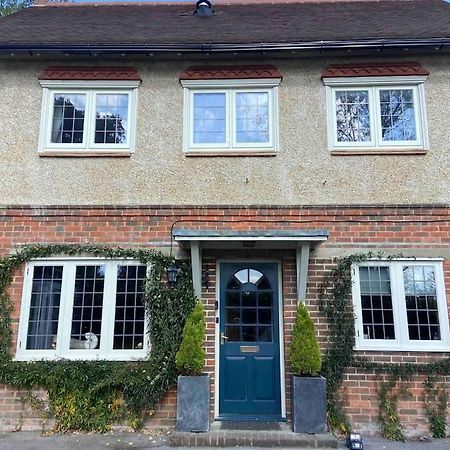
{"type": "Point", "coordinates": [83, 309]}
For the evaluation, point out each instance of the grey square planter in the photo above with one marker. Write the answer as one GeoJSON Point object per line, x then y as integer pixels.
{"type": "Point", "coordinates": [193, 403]}
{"type": "Point", "coordinates": [309, 404]}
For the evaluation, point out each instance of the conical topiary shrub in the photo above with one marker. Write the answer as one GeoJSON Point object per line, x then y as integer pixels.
{"type": "Point", "coordinates": [190, 358]}
{"type": "Point", "coordinates": [304, 351]}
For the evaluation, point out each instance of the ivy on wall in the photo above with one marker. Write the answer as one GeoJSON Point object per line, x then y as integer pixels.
{"type": "Point", "coordinates": [388, 416]}
{"type": "Point", "coordinates": [336, 304]}
{"type": "Point", "coordinates": [436, 407]}
{"type": "Point", "coordinates": [92, 395]}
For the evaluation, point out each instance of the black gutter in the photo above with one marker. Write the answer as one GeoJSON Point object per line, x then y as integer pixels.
{"type": "Point", "coordinates": [438, 43]}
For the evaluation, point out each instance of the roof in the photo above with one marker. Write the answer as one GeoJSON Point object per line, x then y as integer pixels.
{"type": "Point", "coordinates": [264, 26]}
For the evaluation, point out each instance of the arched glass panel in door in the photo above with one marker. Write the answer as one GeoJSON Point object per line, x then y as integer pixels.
{"type": "Point", "coordinates": [249, 307]}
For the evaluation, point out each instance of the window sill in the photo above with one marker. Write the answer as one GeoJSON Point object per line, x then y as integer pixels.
{"type": "Point", "coordinates": [378, 151]}
{"type": "Point", "coordinates": [443, 349]}
{"type": "Point", "coordinates": [85, 154]}
{"type": "Point", "coordinates": [96, 357]}
{"type": "Point", "coordinates": [227, 152]}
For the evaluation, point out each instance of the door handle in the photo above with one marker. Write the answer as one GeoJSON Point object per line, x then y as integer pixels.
{"type": "Point", "coordinates": [223, 338]}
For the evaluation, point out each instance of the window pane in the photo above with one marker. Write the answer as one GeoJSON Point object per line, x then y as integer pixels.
{"type": "Point", "coordinates": [87, 307]}
{"type": "Point", "coordinates": [44, 307]}
{"type": "Point", "coordinates": [129, 322]}
{"type": "Point", "coordinates": [352, 116]}
{"type": "Point", "coordinates": [376, 303]}
{"type": "Point", "coordinates": [397, 115]}
{"type": "Point", "coordinates": [68, 118]}
{"type": "Point", "coordinates": [252, 117]}
{"type": "Point", "coordinates": [209, 118]}
{"type": "Point", "coordinates": [111, 118]}
{"type": "Point", "coordinates": [421, 303]}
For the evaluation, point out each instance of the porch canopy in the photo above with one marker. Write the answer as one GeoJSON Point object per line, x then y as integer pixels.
{"type": "Point", "coordinates": [300, 240]}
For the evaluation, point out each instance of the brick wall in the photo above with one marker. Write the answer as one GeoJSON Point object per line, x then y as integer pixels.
{"type": "Point", "coordinates": [415, 230]}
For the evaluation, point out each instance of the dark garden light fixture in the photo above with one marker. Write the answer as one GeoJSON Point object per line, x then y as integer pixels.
{"type": "Point", "coordinates": [354, 441]}
{"type": "Point", "coordinates": [172, 275]}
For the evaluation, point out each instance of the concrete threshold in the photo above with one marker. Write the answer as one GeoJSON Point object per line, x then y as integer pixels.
{"type": "Point", "coordinates": [282, 437]}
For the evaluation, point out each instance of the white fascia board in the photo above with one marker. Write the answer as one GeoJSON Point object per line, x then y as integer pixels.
{"type": "Point", "coordinates": [83, 84]}
{"type": "Point", "coordinates": [250, 238]}
{"type": "Point", "coordinates": [253, 82]}
{"type": "Point", "coordinates": [374, 81]}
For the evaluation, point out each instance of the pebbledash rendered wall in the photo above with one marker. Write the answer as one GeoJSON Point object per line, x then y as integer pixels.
{"type": "Point", "coordinates": [302, 173]}
{"type": "Point", "coordinates": [418, 230]}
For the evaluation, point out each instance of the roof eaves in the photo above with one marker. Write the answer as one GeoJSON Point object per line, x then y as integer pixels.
{"type": "Point", "coordinates": [385, 43]}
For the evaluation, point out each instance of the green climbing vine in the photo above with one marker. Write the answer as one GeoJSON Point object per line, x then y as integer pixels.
{"type": "Point", "coordinates": [389, 419]}
{"type": "Point", "coordinates": [336, 305]}
{"type": "Point", "coordinates": [436, 407]}
{"type": "Point", "coordinates": [92, 395]}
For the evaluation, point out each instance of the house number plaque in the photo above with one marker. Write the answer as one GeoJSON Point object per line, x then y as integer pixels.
{"type": "Point", "coordinates": [249, 348]}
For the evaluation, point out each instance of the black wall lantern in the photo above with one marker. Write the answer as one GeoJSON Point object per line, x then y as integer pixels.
{"type": "Point", "coordinates": [172, 275]}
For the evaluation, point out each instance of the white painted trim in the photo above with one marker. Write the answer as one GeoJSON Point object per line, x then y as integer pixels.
{"type": "Point", "coordinates": [280, 329]}
{"type": "Point", "coordinates": [302, 261]}
{"type": "Point", "coordinates": [105, 351]}
{"type": "Point", "coordinates": [196, 262]}
{"type": "Point", "coordinates": [236, 83]}
{"type": "Point", "coordinates": [281, 339]}
{"type": "Point", "coordinates": [402, 341]}
{"type": "Point", "coordinates": [217, 342]}
{"type": "Point", "coordinates": [80, 258]}
{"type": "Point", "coordinates": [373, 85]}
{"type": "Point", "coordinates": [405, 258]}
{"type": "Point", "coordinates": [271, 120]}
{"type": "Point", "coordinates": [332, 119]}
{"type": "Point", "coordinates": [374, 81]}
{"type": "Point", "coordinates": [230, 88]}
{"type": "Point", "coordinates": [87, 84]}
{"type": "Point", "coordinates": [88, 145]}
{"type": "Point", "coordinates": [190, 109]}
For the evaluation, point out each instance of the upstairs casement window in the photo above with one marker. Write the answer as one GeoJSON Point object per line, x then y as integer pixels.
{"type": "Point", "coordinates": [380, 113]}
{"type": "Point", "coordinates": [400, 305]}
{"type": "Point", "coordinates": [88, 111]}
{"type": "Point", "coordinates": [83, 309]}
{"type": "Point", "coordinates": [231, 110]}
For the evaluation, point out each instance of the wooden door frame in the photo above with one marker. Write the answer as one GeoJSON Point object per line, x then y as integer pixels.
{"type": "Point", "coordinates": [217, 346]}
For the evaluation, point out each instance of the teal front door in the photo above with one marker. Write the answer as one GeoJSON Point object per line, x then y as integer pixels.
{"type": "Point", "coordinates": [249, 375]}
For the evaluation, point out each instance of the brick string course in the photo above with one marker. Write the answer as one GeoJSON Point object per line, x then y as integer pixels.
{"type": "Point", "coordinates": [351, 229]}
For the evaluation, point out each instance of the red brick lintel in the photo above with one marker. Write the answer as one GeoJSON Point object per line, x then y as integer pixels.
{"type": "Point", "coordinates": [375, 70]}
{"type": "Point", "coordinates": [90, 73]}
{"type": "Point", "coordinates": [230, 72]}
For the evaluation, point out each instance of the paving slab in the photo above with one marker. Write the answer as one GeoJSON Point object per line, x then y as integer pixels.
{"type": "Point", "coordinates": [120, 441]}
{"type": "Point", "coordinates": [24, 440]}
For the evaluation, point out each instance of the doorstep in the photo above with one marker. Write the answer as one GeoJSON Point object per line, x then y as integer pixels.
{"type": "Point", "coordinates": [256, 434]}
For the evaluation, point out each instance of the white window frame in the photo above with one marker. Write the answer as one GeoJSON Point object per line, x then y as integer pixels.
{"type": "Point", "coordinates": [62, 350]}
{"type": "Point", "coordinates": [401, 341]}
{"type": "Point", "coordinates": [230, 88]}
{"type": "Point", "coordinates": [373, 85]}
{"type": "Point", "coordinates": [90, 89]}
